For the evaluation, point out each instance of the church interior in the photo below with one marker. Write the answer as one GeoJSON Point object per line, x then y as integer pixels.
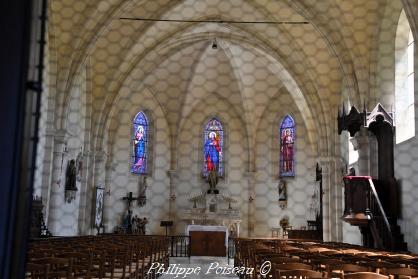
{"type": "Point", "coordinates": [261, 119]}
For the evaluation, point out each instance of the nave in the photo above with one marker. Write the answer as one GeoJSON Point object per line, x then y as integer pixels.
{"type": "Point", "coordinates": [135, 256]}
{"type": "Point", "coordinates": [309, 259]}
{"type": "Point", "coordinates": [107, 256]}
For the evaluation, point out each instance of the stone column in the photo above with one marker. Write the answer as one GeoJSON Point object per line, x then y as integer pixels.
{"type": "Point", "coordinates": [83, 189]}
{"type": "Point", "coordinates": [56, 194]}
{"type": "Point", "coordinates": [172, 174]}
{"type": "Point", "coordinates": [332, 198]}
{"type": "Point", "coordinates": [47, 168]}
{"type": "Point", "coordinates": [99, 175]}
{"type": "Point", "coordinates": [251, 176]}
{"type": "Point", "coordinates": [110, 169]}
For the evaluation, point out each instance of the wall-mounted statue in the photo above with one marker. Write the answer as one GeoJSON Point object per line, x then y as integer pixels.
{"type": "Point", "coordinates": [213, 180]}
{"type": "Point", "coordinates": [70, 181]}
{"type": "Point", "coordinates": [70, 176]}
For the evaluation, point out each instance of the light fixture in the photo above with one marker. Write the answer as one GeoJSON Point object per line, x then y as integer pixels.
{"type": "Point", "coordinates": [220, 21]}
{"type": "Point", "coordinates": [214, 44]}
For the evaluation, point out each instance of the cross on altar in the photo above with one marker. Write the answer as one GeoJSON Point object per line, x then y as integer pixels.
{"type": "Point", "coordinates": [129, 199]}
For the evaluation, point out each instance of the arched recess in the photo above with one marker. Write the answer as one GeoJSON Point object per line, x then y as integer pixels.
{"type": "Point", "coordinates": [117, 141]}
{"type": "Point", "coordinates": [190, 157]}
{"type": "Point", "coordinates": [140, 99]}
{"type": "Point", "coordinates": [222, 110]}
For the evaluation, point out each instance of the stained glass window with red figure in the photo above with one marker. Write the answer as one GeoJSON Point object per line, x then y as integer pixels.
{"type": "Point", "coordinates": [287, 147]}
{"type": "Point", "coordinates": [213, 148]}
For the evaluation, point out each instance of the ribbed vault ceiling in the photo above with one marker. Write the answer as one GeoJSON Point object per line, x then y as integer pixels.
{"type": "Point", "coordinates": [253, 63]}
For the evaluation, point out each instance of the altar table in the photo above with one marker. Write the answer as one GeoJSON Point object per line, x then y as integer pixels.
{"type": "Point", "coordinates": [208, 240]}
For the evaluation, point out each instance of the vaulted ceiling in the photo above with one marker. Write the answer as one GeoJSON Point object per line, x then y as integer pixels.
{"type": "Point", "coordinates": [318, 63]}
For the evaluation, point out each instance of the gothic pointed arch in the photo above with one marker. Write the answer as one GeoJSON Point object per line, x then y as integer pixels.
{"type": "Point", "coordinates": [213, 143]}
{"type": "Point", "coordinates": [287, 138]}
{"type": "Point", "coordinates": [139, 161]}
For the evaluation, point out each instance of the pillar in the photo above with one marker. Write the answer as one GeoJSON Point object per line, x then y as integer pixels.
{"type": "Point", "coordinates": [332, 198]}
{"type": "Point", "coordinates": [110, 168]}
{"type": "Point", "coordinates": [99, 177]}
{"type": "Point", "coordinates": [172, 174]}
{"type": "Point", "coordinates": [56, 194]}
{"type": "Point", "coordinates": [251, 176]}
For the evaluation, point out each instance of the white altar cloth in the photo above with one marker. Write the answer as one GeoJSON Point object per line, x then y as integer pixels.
{"type": "Point", "coordinates": [201, 228]}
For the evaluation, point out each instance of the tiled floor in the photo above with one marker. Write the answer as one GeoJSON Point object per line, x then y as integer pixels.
{"type": "Point", "coordinates": [200, 267]}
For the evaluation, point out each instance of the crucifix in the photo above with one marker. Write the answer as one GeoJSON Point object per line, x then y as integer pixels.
{"type": "Point", "coordinates": [127, 222]}
{"type": "Point", "coordinates": [129, 199]}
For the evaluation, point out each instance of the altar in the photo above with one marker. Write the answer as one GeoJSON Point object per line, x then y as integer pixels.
{"type": "Point", "coordinates": [217, 211]}
{"type": "Point", "coordinates": [211, 219]}
{"type": "Point", "coordinates": [208, 240]}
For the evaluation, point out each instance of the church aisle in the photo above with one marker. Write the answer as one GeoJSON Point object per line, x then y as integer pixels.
{"type": "Point", "coordinates": [202, 267]}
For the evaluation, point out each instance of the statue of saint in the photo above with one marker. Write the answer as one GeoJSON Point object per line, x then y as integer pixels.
{"type": "Point", "coordinates": [71, 176]}
{"type": "Point", "coordinates": [213, 180]}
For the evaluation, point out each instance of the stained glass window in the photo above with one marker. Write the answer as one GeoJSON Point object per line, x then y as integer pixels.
{"type": "Point", "coordinates": [139, 144]}
{"type": "Point", "coordinates": [213, 148]}
{"type": "Point", "coordinates": [287, 147]}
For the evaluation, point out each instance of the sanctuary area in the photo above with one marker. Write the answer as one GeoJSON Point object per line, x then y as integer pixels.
{"type": "Point", "coordinates": [158, 129]}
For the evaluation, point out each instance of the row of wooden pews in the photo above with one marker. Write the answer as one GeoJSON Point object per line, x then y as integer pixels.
{"type": "Point", "coordinates": [308, 259]}
{"type": "Point", "coordinates": [106, 256]}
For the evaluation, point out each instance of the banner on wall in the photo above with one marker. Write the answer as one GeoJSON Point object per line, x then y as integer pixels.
{"type": "Point", "coordinates": [98, 217]}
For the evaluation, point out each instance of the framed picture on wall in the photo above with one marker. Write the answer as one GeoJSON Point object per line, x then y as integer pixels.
{"type": "Point", "coordinates": [98, 216]}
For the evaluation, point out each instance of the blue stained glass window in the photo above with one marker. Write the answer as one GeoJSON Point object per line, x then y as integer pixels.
{"type": "Point", "coordinates": [139, 144]}
{"type": "Point", "coordinates": [213, 148]}
{"type": "Point", "coordinates": [287, 147]}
